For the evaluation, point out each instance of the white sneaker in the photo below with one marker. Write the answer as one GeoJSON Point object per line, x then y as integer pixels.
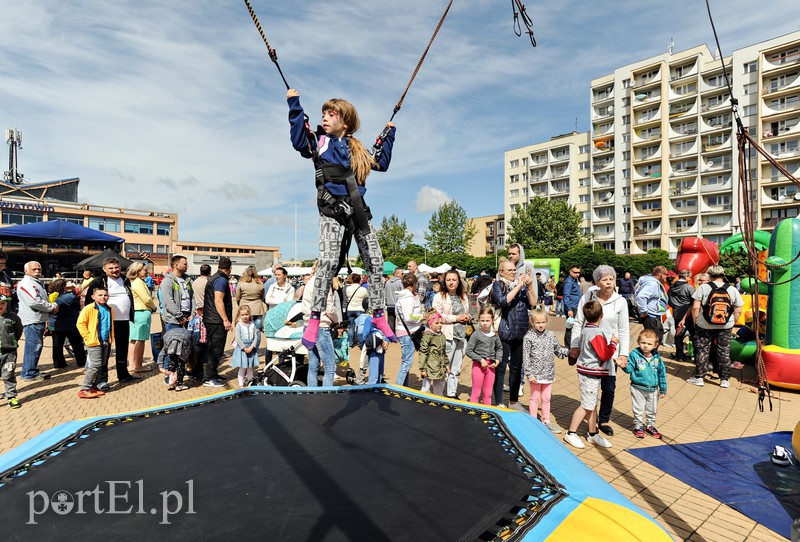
{"type": "Point", "coordinates": [501, 405]}
{"type": "Point", "coordinates": [521, 390]}
{"type": "Point", "coordinates": [724, 384]}
{"type": "Point", "coordinates": [506, 388]}
{"type": "Point", "coordinates": [696, 381]}
{"type": "Point", "coordinates": [598, 440]}
{"type": "Point", "coordinates": [574, 440]}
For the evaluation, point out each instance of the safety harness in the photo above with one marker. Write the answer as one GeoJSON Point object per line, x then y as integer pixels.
{"type": "Point", "coordinates": [350, 211]}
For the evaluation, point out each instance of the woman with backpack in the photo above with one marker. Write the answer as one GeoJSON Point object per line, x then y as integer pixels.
{"type": "Point", "coordinates": [717, 306]}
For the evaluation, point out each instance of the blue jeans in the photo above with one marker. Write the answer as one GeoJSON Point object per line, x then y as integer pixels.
{"type": "Point", "coordinates": [560, 307]}
{"type": "Point", "coordinates": [351, 329]}
{"type": "Point", "coordinates": [375, 366]}
{"type": "Point", "coordinates": [168, 326]}
{"type": "Point", "coordinates": [324, 350]}
{"type": "Point", "coordinates": [455, 353]}
{"type": "Point", "coordinates": [407, 359]}
{"type": "Point", "coordinates": [34, 338]}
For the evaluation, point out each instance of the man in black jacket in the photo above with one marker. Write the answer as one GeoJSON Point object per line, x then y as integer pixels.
{"type": "Point", "coordinates": [680, 299]}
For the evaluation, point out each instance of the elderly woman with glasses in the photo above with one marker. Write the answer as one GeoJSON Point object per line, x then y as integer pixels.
{"type": "Point", "coordinates": [515, 295]}
{"type": "Point", "coordinates": [614, 322]}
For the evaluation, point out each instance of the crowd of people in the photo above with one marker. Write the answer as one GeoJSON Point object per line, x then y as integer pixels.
{"type": "Point", "coordinates": [497, 324]}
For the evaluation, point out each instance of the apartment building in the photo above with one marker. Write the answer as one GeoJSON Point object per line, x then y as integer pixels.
{"type": "Point", "coordinates": [664, 156]}
{"type": "Point", "coordinates": [556, 169]}
{"type": "Point", "coordinates": [489, 237]}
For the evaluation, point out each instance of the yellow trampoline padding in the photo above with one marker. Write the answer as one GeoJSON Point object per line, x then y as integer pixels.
{"type": "Point", "coordinates": [608, 521]}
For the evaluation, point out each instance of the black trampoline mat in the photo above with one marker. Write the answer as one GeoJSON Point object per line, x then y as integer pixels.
{"type": "Point", "coordinates": [357, 465]}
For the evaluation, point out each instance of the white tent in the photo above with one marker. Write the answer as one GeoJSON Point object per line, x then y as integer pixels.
{"type": "Point", "coordinates": [444, 268]}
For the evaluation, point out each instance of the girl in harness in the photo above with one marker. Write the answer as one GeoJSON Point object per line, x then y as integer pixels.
{"type": "Point", "coordinates": [342, 165]}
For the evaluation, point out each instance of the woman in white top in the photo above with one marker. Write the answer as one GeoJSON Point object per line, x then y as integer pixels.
{"type": "Point", "coordinates": [355, 296]}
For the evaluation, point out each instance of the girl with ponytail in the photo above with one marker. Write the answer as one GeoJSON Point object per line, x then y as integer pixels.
{"type": "Point", "coordinates": [338, 155]}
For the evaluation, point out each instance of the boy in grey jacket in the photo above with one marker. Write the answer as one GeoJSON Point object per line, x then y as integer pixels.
{"type": "Point", "coordinates": [10, 334]}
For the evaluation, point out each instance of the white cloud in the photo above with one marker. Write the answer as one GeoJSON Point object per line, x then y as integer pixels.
{"type": "Point", "coordinates": [430, 199]}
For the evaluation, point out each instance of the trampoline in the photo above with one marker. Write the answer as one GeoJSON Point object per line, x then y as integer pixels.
{"type": "Point", "coordinates": [348, 463]}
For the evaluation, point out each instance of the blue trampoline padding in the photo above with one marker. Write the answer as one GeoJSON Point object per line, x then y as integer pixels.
{"type": "Point", "coordinates": [737, 472]}
{"type": "Point", "coordinates": [579, 480]}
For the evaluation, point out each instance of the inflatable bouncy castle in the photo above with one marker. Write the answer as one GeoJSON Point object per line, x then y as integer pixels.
{"type": "Point", "coordinates": [782, 353]}
{"type": "Point", "coordinates": [697, 255]}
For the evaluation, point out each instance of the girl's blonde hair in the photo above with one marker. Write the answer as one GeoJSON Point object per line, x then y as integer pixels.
{"type": "Point", "coordinates": [361, 161]}
{"type": "Point", "coordinates": [243, 308]}
{"type": "Point", "coordinates": [538, 312]}
{"type": "Point", "coordinates": [250, 274]}
{"type": "Point", "coordinates": [133, 270]}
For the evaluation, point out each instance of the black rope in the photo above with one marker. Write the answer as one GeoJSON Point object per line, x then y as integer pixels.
{"type": "Point", "coordinates": [518, 8]}
{"type": "Point", "coordinates": [273, 55]}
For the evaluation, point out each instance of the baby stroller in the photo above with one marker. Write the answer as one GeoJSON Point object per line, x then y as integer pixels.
{"type": "Point", "coordinates": [283, 329]}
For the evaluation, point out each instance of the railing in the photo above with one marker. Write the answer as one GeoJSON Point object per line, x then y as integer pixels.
{"type": "Point", "coordinates": [770, 222]}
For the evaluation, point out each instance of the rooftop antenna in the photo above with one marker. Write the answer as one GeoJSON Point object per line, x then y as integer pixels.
{"type": "Point", "coordinates": [671, 45]}
{"type": "Point", "coordinates": [14, 140]}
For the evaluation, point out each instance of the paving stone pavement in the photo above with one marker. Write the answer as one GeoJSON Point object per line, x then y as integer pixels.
{"type": "Point", "coordinates": [687, 414]}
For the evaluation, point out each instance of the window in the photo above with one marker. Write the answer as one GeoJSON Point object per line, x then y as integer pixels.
{"type": "Point", "coordinates": [583, 149]}
{"type": "Point", "coordinates": [583, 166]}
{"type": "Point", "coordinates": [138, 247]}
{"type": "Point", "coordinates": [714, 101]}
{"type": "Point", "coordinates": [104, 224]}
{"type": "Point", "coordinates": [514, 179]}
{"type": "Point", "coordinates": [685, 204]}
{"type": "Point", "coordinates": [587, 215]}
{"type": "Point", "coordinates": [749, 110]}
{"type": "Point", "coordinates": [750, 88]}
{"type": "Point", "coordinates": [626, 155]}
{"type": "Point", "coordinates": [716, 80]}
{"type": "Point", "coordinates": [163, 229]}
{"type": "Point", "coordinates": [72, 219]}
{"type": "Point", "coordinates": [514, 163]}
{"type": "Point", "coordinates": [626, 209]}
{"type": "Point", "coordinates": [751, 67]}
{"type": "Point", "coordinates": [626, 101]}
{"type": "Point", "coordinates": [651, 206]}
{"type": "Point", "coordinates": [583, 182]}
{"type": "Point", "coordinates": [626, 119]}
{"type": "Point", "coordinates": [785, 57]}
{"type": "Point", "coordinates": [513, 194]}
{"type": "Point", "coordinates": [626, 190]}
{"type": "Point", "coordinates": [626, 138]}
{"type": "Point", "coordinates": [162, 249]}
{"type": "Point", "coordinates": [135, 226]}
{"type": "Point", "coordinates": [784, 147]}
{"type": "Point", "coordinates": [783, 103]}
{"type": "Point", "coordinates": [626, 173]}
{"type": "Point", "coordinates": [524, 162]}
{"type": "Point", "coordinates": [719, 201]}
{"type": "Point", "coordinates": [21, 217]}
{"type": "Point", "coordinates": [648, 152]}
{"type": "Point", "coordinates": [626, 83]}
{"type": "Point", "coordinates": [583, 198]}
{"type": "Point", "coordinates": [688, 88]}
{"type": "Point", "coordinates": [525, 177]}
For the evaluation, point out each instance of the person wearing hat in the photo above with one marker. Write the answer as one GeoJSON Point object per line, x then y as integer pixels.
{"type": "Point", "coordinates": [63, 324]}
{"type": "Point", "coordinates": [10, 334]}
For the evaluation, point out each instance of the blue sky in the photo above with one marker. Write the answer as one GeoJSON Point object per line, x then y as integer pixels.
{"type": "Point", "coordinates": [175, 106]}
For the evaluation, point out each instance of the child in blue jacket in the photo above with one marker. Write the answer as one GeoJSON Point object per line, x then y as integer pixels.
{"type": "Point", "coordinates": [648, 383]}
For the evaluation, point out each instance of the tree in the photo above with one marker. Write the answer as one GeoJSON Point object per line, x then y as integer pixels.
{"type": "Point", "coordinates": [449, 230]}
{"type": "Point", "coordinates": [550, 225]}
{"type": "Point", "coordinates": [393, 236]}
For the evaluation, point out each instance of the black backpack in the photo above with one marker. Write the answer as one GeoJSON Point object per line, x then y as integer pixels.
{"type": "Point", "coordinates": [718, 308]}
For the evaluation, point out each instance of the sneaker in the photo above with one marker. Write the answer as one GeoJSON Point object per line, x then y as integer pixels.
{"type": "Point", "coordinates": [696, 381]}
{"type": "Point", "coordinates": [598, 440]}
{"type": "Point", "coordinates": [653, 432]}
{"type": "Point", "coordinates": [521, 390]}
{"type": "Point", "coordinates": [607, 429]}
{"type": "Point", "coordinates": [501, 405]}
{"type": "Point", "coordinates": [98, 392]}
{"type": "Point", "coordinates": [574, 440]}
{"type": "Point", "coordinates": [14, 403]}
{"type": "Point", "coordinates": [87, 394]}
{"type": "Point", "coordinates": [553, 427]}
{"type": "Point", "coordinates": [213, 383]}
{"type": "Point", "coordinates": [518, 407]}
{"type": "Point", "coordinates": [506, 387]}
{"type": "Point", "coordinates": [638, 432]}
{"type": "Point", "coordinates": [103, 386]}
{"type": "Point", "coordinates": [724, 384]}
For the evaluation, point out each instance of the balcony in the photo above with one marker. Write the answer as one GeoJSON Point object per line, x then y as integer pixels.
{"type": "Point", "coordinates": [770, 222]}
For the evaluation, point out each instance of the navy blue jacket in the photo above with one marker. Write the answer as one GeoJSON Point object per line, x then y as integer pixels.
{"type": "Point", "coordinates": [332, 150]}
{"type": "Point", "coordinates": [514, 316]}
{"type": "Point", "coordinates": [69, 307]}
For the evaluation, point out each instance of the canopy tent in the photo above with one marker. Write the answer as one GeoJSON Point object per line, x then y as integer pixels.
{"type": "Point", "coordinates": [58, 230]}
{"type": "Point", "coordinates": [388, 267]}
{"type": "Point", "coordinates": [95, 263]}
{"type": "Point", "coordinates": [444, 268]}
